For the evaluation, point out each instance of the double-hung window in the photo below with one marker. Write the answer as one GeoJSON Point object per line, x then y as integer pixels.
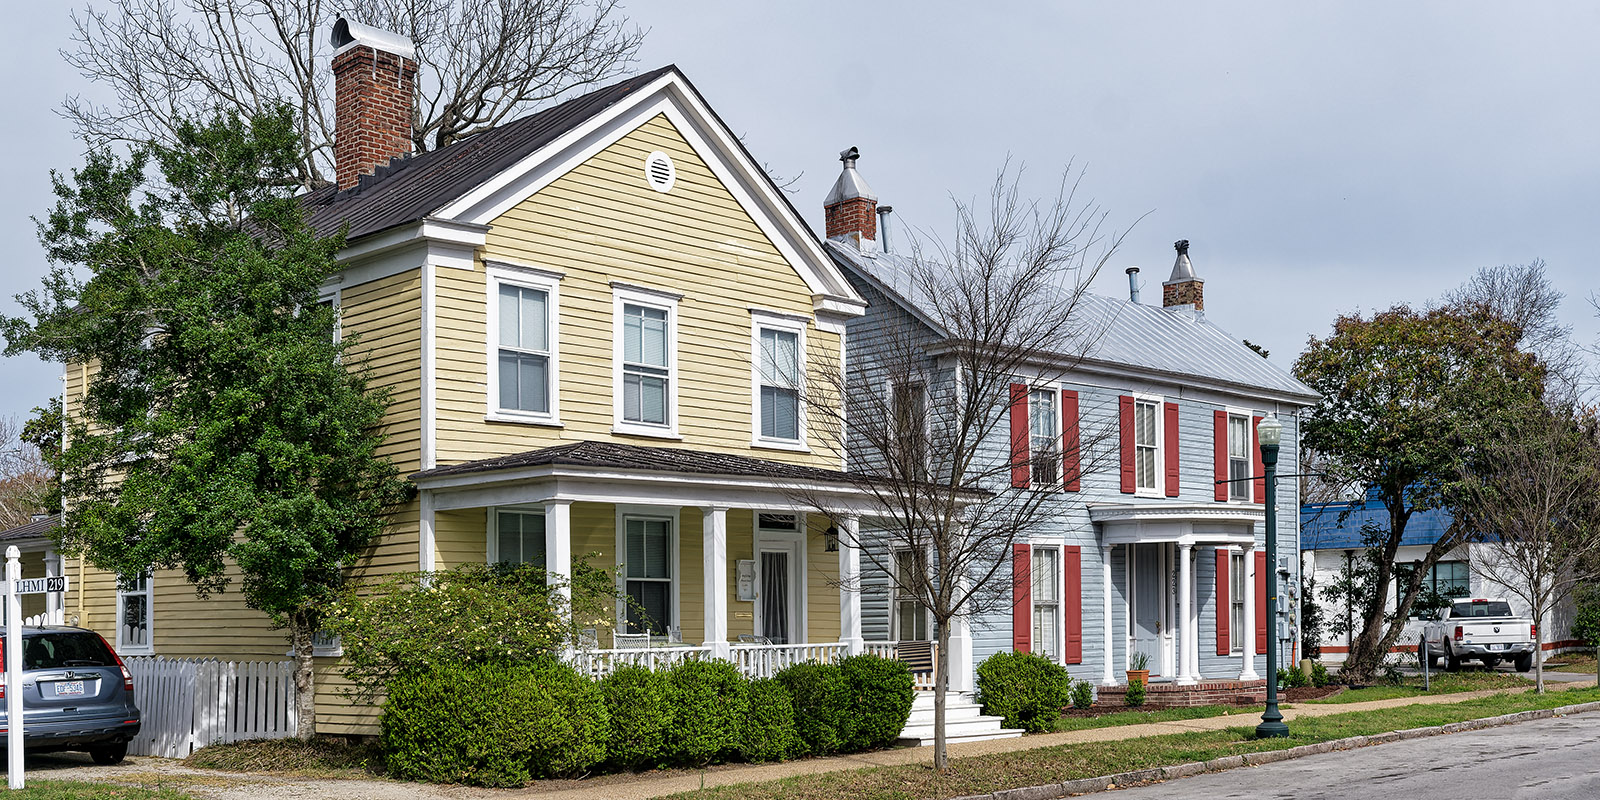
{"type": "Point", "coordinates": [910, 615]}
{"type": "Point", "coordinates": [133, 614]}
{"type": "Point", "coordinates": [523, 359]}
{"type": "Point", "coordinates": [908, 411]}
{"type": "Point", "coordinates": [646, 364]}
{"type": "Point", "coordinates": [779, 368]}
{"type": "Point", "coordinates": [1047, 602]}
{"type": "Point", "coordinates": [1237, 585]}
{"type": "Point", "coordinates": [518, 538]}
{"type": "Point", "coordinates": [1239, 457]}
{"type": "Point", "coordinates": [1044, 440]}
{"type": "Point", "coordinates": [1146, 444]}
{"type": "Point", "coordinates": [648, 567]}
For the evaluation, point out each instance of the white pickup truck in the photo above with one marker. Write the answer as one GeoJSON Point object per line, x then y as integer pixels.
{"type": "Point", "coordinates": [1479, 629]}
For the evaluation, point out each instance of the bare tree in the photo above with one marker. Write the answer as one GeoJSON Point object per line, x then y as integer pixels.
{"type": "Point", "coordinates": [482, 62]}
{"type": "Point", "coordinates": [1532, 499]}
{"type": "Point", "coordinates": [919, 414]}
{"type": "Point", "coordinates": [24, 478]}
{"type": "Point", "coordinates": [1523, 296]}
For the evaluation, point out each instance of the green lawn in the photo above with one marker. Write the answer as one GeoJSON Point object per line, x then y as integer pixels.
{"type": "Point", "coordinates": [981, 774]}
{"type": "Point", "coordinates": [79, 790]}
{"type": "Point", "coordinates": [1155, 715]}
{"type": "Point", "coordinates": [1439, 683]}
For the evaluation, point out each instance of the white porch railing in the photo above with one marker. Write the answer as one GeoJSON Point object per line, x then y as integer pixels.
{"type": "Point", "coordinates": [765, 660]}
{"type": "Point", "coordinates": [921, 680]}
{"type": "Point", "coordinates": [600, 663]}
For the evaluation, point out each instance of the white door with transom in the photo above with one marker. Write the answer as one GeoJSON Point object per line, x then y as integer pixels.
{"type": "Point", "coordinates": [778, 576]}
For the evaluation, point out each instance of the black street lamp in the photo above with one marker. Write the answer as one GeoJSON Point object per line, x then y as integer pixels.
{"type": "Point", "coordinates": [1270, 433]}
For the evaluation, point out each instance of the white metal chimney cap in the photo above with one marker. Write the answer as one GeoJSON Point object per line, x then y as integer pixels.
{"type": "Point", "coordinates": [850, 185]}
{"type": "Point", "coordinates": [348, 34]}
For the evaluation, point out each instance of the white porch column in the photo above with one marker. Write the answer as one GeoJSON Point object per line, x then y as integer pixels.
{"type": "Point", "coordinates": [425, 546]}
{"type": "Point", "coordinates": [850, 585]}
{"type": "Point", "coordinates": [1248, 633]}
{"type": "Point", "coordinates": [1185, 606]}
{"type": "Point", "coordinates": [558, 545]}
{"type": "Point", "coordinates": [1110, 677]}
{"type": "Point", "coordinates": [53, 600]}
{"type": "Point", "coordinates": [714, 562]}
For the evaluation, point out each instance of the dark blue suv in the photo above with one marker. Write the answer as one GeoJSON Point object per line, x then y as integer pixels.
{"type": "Point", "coordinates": [76, 694]}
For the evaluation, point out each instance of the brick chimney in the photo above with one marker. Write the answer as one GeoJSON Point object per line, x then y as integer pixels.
{"type": "Point", "coordinates": [375, 76]}
{"type": "Point", "coordinates": [1184, 288]}
{"type": "Point", "coordinates": [851, 207]}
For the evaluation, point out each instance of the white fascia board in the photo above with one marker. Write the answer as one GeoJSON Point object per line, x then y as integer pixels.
{"type": "Point", "coordinates": [671, 96]}
{"type": "Point", "coordinates": [442, 243]}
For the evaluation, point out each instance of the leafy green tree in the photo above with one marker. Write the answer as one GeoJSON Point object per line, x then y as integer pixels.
{"type": "Point", "coordinates": [43, 431]}
{"type": "Point", "coordinates": [1406, 397]}
{"type": "Point", "coordinates": [224, 432]}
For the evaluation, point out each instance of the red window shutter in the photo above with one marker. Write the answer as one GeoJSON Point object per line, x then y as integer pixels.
{"type": "Point", "coordinates": [1261, 470]}
{"type": "Point", "coordinates": [1019, 435]}
{"type": "Point", "coordinates": [1072, 568]}
{"type": "Point", "coordinates": [1261, 602]}
{"type": "Point", "coordinates": [1224, 609]}
{"type": "Point", "coordinates": [1070, 475]}
{"type": "Point", "coordinates": [1171, 447]}
{"type": "Point", "coordinates": [1221, 449]}
{"type": "Point", "coordinates": [1125, 419]}
{"type": "Point", "coordinates": [1021, 598]}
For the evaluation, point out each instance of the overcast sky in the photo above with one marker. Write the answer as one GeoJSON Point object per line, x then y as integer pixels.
{"type": "Point", "coordinates": [1321, 157]}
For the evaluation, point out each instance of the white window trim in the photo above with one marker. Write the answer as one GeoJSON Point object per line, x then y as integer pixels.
{"type": "Point", "coordinates": [625, 513]}
{"type": "Point", "coordinates": [150, 618]}
{"type": "Point", "coordinates": [334, 294]}
{"type": "Point", "coordinates": [1057, 484]}
{"type": "Point", "coordinates": [491, 547]}
{"type": "Point", "coordinates": [528, 278]}
{"type": "Point", "coordinates": [1235, 638]}
{"type": "Point", "coordinates": [894, 600]}
{"type": "Point", "coordinates": [760, 320]}
{"type": "Point", "coordinates": [621, 295]}
{"type": "Point", "coordinates": [1159, 490]}
{"type": "Point", "coordinates": [1249, 457]}
{"type": "Point", "coordinates": [1061, 595]}
{"type": "Point", "coordinates": [800, 540]}
{"type": "Point", "coordinates": [914, 378]}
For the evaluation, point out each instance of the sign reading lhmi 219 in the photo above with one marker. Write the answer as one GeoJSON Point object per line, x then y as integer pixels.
{"type": "Point", "coordinates": [39, 585]}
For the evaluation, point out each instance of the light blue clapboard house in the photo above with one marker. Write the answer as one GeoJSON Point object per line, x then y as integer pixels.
{"type": "Point", "coordinates": [1148, 547]}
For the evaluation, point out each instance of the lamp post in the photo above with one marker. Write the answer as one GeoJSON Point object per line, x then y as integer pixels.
{"type": "Point", "coordinates": [1270, 433]}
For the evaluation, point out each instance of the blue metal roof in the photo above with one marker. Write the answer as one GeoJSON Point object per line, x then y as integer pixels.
{"type": "Point", "coordinates": [1321, 528]}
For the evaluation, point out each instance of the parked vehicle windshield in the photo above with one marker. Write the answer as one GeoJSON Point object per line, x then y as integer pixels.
{"type": "Point", "coordinates": [65, 649]}
{"type": "Point", "coordinates": [1469, 609]}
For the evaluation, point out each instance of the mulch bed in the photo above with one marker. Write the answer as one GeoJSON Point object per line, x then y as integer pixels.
{"type": "Point", "coordinates": [1309, 692]}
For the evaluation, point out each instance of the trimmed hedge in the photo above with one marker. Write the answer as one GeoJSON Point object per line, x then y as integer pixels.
{"type": "Point", "coordinates": [769, 732]}
{"type": "Point", "coordinates": [880, 693]}
{"type": "Point", "coordinates": [493, 724]}
{"type": "Point", "coordinates": [822, 713]}
{"type": "Point", "coordinates": [640, 713]}
{"type": "Point", "coordinates": [1028, 690]}
{"type": "Point", "coordinates": [709, 702]}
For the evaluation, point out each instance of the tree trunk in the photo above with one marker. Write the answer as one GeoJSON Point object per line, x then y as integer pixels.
{"type": "Point", "coordinates": [305, 690]}
{"type": "Point", "coordinates": [1538, 652]}
{"type": "Point", "coordinates": [941, 685]}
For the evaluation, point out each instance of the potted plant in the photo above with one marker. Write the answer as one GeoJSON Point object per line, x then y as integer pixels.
{"type": "Point", "coordinates": [1138, 668]}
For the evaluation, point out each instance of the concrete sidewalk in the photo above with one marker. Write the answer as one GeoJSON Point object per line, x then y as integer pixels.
{"type": "Point", "coordinates": [643, 787]}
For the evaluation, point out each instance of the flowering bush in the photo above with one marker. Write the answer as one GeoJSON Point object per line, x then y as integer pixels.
{"type": "Point", "coordinates": [473, 614]}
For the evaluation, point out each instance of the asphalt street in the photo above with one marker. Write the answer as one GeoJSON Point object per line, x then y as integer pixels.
{"type": "Point", "coordinates": [1551, 759]}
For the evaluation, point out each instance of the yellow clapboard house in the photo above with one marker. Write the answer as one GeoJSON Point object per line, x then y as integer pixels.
{"type": "Point", "coordinates": [594, 322]}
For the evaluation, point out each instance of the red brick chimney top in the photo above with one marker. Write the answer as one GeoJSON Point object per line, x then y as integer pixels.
{"type": "Point", "coordinates": [375, 74]}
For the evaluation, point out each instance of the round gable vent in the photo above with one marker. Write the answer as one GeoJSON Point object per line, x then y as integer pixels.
{"type": "Point", "coordinates": [660, 172]}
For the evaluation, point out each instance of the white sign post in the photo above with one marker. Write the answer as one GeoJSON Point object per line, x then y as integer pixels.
{"type": "Point", "coordinates": [13, 667]}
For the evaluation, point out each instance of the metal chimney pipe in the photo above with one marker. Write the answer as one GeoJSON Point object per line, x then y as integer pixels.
{"type": "Point", "coordinates": [1133, 283]}
{"type": "Point", "coordinates": [883, 226]}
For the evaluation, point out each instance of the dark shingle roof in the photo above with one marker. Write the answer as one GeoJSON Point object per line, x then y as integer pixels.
{"type": "Point", "coordinates": [38, 527]}
{"type": "Point", "coordinates": [627, 456]}
{"type": "Point", "coordinates": [411, 188]}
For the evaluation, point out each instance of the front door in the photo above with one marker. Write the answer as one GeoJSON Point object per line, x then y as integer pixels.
{"type": "Point", "coordinates": [1149, 603]}
{"type": "Point", "coordinates": [778, 593]}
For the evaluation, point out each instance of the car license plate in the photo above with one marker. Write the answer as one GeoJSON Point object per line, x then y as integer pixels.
{"type": "Point", "coordinates": [69, 688]}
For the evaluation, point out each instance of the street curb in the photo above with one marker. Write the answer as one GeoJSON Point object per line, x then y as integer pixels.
{"type": "Point", "coordinates": [1051, 791]}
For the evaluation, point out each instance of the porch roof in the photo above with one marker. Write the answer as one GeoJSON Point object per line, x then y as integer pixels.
{"type": "Point", "coordinates": [614, 455]}
{"type": "Point", "coordinates": [1184, 523]}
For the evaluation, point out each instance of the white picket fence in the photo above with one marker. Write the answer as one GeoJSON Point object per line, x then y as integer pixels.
{"type": "Point", "coordinates": [186, 704]}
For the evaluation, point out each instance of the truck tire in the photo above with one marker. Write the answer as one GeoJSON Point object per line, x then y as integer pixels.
{"type": "Point", "coordinates": [1451, 663]}
{"type": "Point", "coordinates": [1422, 661]}
{"type": "Point", "coordinates": [1524, 662]}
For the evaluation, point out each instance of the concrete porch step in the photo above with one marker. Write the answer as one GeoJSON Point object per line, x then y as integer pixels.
{"type": "Point", "coordinates": [964, 721]}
